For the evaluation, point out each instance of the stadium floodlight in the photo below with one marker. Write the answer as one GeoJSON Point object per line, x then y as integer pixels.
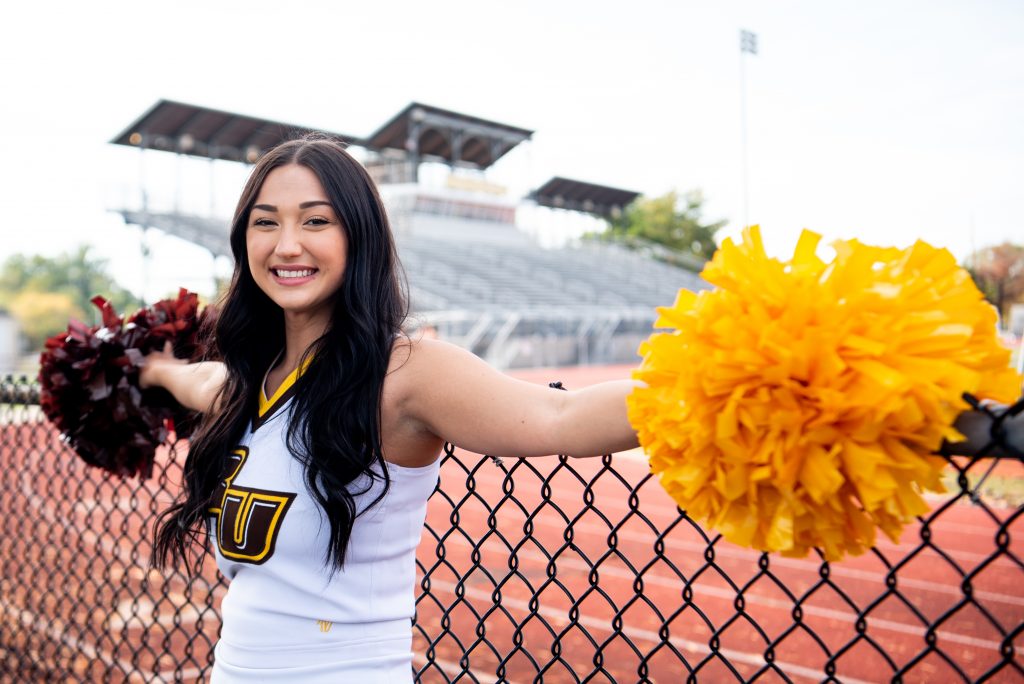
{"type": "Point", "coordinates": [748, 45]}
{"type": "Point", "coordinates": [748, 42]}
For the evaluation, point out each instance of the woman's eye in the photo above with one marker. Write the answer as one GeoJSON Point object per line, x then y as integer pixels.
{"type": "Point", "coordinates": [318, 221]}
{"type": "Point", "coordinates": [263, 222]}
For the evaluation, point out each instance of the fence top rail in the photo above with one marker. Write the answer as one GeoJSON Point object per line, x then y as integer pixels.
{"type": "Point", "coordinates": [18, 390]}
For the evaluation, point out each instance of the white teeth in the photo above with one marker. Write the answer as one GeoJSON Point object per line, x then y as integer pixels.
{"type": "Point", "coordinates": [293, 274]}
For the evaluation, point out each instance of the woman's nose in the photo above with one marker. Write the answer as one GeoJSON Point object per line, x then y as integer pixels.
{"type": "Point", "coordinates": [288, 243]}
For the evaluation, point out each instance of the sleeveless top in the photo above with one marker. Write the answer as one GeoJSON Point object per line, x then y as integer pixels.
{"type": "Point", "coordinates": [285, 607]}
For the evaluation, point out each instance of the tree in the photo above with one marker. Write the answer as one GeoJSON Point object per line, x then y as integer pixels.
{"type": "Point", "coordinates": [998, 272]}
{"type": "Point", "coordinates": [42, 314]}
{"type": "Point", "coordinates": [71, 279]}
{"type": "Point", "coordinates": [671, 220]}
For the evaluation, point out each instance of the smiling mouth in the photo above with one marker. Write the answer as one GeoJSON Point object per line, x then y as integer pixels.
{"type": "Point", "coordinates": [298, 273]}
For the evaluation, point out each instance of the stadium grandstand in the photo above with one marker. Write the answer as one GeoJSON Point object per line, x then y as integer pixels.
{"type": "Point", "coordinates": [477, 275]}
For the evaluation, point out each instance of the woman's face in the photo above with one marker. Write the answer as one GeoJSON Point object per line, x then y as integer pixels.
{"type": "Point", "coordinates": [296, 244]}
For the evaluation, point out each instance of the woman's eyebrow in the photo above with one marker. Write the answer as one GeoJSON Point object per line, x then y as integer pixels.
{"type": "Point", "coordinates": [302, 205]}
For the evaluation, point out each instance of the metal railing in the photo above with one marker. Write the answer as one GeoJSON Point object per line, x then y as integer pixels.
{"type": "Point", "coordinates": [542, 570]}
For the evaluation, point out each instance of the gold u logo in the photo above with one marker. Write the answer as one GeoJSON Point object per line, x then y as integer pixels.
{"type": "Point", "coordinates": [324, 625]}
{"type": "Point", "coordinates": [247, 519]}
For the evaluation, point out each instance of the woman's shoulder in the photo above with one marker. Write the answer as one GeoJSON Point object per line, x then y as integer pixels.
{"type": "Point", "coordinates": [414, 356]}
{"type": "Point", "coordinates": [408, 384]}
{"type": "Point", "coordinates": [421, 367]}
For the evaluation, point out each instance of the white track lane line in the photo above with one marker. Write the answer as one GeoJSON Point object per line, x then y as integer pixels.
{"type": "Point", "coordinates": [636, 634]}
{"type": "Point", "coordinates": [836, 569]}
{"type": "Point", "coordinates": [53, 630]}
{"type": "Point", "coordinates": [141, 612]}
{"type": "Point", "coordinates": [965, 529]}
{"type": "Point", "coordinates": [39, 504]}
{"type": "Point", "coordinates": [668, 508]}
{"type": "Point", "coordinates": [673, 582]}
{"type": "Point", "coordinates": [118, 548]}
{"type": "Point", "coordinates": [452, 669]}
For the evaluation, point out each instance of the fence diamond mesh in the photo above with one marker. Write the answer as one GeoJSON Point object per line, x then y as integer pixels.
{"type": "Point", "coordinates": [546, 570]}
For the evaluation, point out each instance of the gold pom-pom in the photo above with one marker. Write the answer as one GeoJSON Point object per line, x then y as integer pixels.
{"type": "Point", "coordinates": [799, 403]}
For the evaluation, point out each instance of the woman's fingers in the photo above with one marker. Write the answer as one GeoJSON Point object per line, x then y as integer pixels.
{"type": "Point", "coordinates": [154, 359]}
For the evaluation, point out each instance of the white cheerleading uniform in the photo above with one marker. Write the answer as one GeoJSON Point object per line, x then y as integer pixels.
{"type": "Point", "coordinates": [285, 617]}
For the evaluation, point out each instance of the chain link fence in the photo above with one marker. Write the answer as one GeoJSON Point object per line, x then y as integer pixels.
{"type": "Point", "coordinates": [542, 570]}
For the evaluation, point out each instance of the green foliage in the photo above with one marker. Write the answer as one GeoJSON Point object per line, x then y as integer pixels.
{"type": "Point", "coordinates": [44, 292]}
{"type": "Point", "coordinates": [42, 314]}
{"type": "Point", "coordinates": [672, 220]}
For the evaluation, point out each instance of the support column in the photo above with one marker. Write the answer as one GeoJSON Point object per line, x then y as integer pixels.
{"type": "Point", "coordinates": [455, 142]}
{"type": "Point", "coordinates": [412, 146]}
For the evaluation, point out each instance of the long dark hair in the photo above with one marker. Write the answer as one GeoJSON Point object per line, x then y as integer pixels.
{"type": "Point", "coordinates": [335, 425]}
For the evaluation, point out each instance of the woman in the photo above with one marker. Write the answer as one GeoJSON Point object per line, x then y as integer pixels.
{"type": "Point", "coordinates": [324, 411]}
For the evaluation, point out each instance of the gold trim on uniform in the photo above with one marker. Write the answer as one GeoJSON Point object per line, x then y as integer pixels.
{"type": "Point", "coordinates": [267, 404]}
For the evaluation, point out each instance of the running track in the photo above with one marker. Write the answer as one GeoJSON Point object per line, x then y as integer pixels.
{"type": "Point", "coordinates": [76, 592]}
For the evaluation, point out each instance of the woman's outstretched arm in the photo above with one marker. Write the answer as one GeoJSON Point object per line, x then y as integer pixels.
{"type": "Point", "coordinates": [460, 398]}
{"type": "Point", "coordinates": [195, 385]}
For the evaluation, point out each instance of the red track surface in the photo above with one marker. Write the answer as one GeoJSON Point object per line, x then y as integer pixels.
{"type": "Point", "coordinates": [75, 588]}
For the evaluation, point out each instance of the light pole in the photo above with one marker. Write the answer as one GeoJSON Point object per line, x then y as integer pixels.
{"type": "Point", "coordinates": [748, 44]}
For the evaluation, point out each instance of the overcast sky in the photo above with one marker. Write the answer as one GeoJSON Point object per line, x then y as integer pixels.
{"type": "Point", "coordinates": [883, 120]}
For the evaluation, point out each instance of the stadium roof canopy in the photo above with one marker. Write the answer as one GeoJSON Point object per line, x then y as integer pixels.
{"type": "Point", "coordinates": [210, 133]}
{"type": "Point", "coordinates": [565, 193]}
{"type": "Point", "coordinates": [426, 131]}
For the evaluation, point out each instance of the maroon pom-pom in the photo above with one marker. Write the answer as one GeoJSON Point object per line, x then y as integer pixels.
{"type": "Point", "coordinates": [89, 379]}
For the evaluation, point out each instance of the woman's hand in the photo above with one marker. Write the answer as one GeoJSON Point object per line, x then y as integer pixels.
{"type": "Point", "coordinates": [195, 385]}
{"type": "Point", "coordinates": [976, 426]}
{"type": "Point", "coordinates": [150, 373]}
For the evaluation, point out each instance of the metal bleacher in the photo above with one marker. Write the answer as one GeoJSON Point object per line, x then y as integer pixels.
{"type": "Point", "coordinates": [516, 304]}
{"type": "Point", "coordinates": [460, 275]}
